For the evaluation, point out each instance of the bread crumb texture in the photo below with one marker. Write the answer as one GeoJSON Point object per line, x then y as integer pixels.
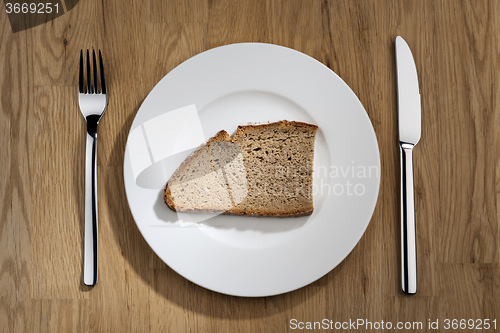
{"type": "Point", "coordinates": [263, 170]}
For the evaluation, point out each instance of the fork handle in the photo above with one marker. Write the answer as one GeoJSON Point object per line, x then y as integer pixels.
{"type": "Point", "coordinates": [408, 237]}
{"type": "Point", "coordinates": [90, 240]}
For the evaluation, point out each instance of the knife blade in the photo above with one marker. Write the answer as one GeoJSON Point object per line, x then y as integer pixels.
{"type": "Point", "coordinates": [409, 122]}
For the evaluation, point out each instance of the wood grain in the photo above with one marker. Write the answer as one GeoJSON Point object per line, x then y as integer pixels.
{"type": "Point", "coordinates": [15, 207]}
{"type": "Point", "coordinates": [457, 163]}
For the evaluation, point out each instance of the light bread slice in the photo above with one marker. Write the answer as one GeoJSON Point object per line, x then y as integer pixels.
{"type": "Point", "coordinates": [263, 170]}
{"type": "Point", "coordinates": [196, 187]}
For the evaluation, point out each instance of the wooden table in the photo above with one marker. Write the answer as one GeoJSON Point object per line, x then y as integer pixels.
{"type": "Point", "coordinates": [457, 164]}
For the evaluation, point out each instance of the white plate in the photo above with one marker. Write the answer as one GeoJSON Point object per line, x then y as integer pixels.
{"type": "Point", "coordinates": [220, 89]}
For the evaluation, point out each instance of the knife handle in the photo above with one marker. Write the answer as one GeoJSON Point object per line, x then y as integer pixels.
{"type": "Point", "coordinates": [408, 236]}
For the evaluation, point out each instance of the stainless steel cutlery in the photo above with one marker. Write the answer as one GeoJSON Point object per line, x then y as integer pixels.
{"type": "Point", "coordinates": [93, 99]}
{"type": "Point", "coordinates": [409, 118]}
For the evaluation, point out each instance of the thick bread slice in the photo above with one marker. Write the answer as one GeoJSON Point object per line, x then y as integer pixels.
{"type": "Point", "coordinates": [265, 169]}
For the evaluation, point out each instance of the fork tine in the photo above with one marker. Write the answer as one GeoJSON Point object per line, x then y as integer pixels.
{"type": "Point", "coordinates": [81, 82]}
{"type": "Point", "coordinates": [94, 67]}
{"type": "Point", "coordinates": [103, 80]}
{"type": "Point", "coordinates": [89, 77]}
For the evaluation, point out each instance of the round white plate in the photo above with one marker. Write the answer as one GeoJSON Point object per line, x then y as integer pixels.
{"type": "Point", "coordinates": [220, 89]}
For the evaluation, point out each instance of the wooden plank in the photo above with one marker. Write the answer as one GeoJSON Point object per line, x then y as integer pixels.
{"type": "Point", "coordinates": [15, 190]}
{"type": "Point", "coordinates": [469, 291]}
{"type": "Point", "coordinates": [229, 22]}
{"type": "Point", "coordinates": [295, 25]}
{"type": "Point", "coordinates": [468, 226]}
{"type": "Point", "coordinates": [59, 315]}
{"type": "Point", "coordinates": [180, 11]}
{"type": "Point", "coordinates": [57, 151]}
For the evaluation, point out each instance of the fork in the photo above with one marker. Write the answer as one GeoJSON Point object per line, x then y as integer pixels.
{"type": "Point", "coordinates": [93, 101]}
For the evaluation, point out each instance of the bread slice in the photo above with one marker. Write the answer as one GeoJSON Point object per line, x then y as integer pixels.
{"type": "Point", "coordinates": [263, 170]}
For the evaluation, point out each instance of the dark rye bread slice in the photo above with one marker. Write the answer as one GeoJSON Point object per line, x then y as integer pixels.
{"type": "Point", "coordinates": [266, 170]}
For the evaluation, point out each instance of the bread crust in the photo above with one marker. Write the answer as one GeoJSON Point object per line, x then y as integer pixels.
{"type": "Point", "coordinates": [223, 136]}
{"type": "Point", "coordinates": [296, 213]}
{"type": "Point", "coordinates": [167, 197]}
{"type": "Point", "coordinates": [283, 123]}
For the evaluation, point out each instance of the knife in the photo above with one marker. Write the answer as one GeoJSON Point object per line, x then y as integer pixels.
{"type": "Point", "coordinates": [409, 134]}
